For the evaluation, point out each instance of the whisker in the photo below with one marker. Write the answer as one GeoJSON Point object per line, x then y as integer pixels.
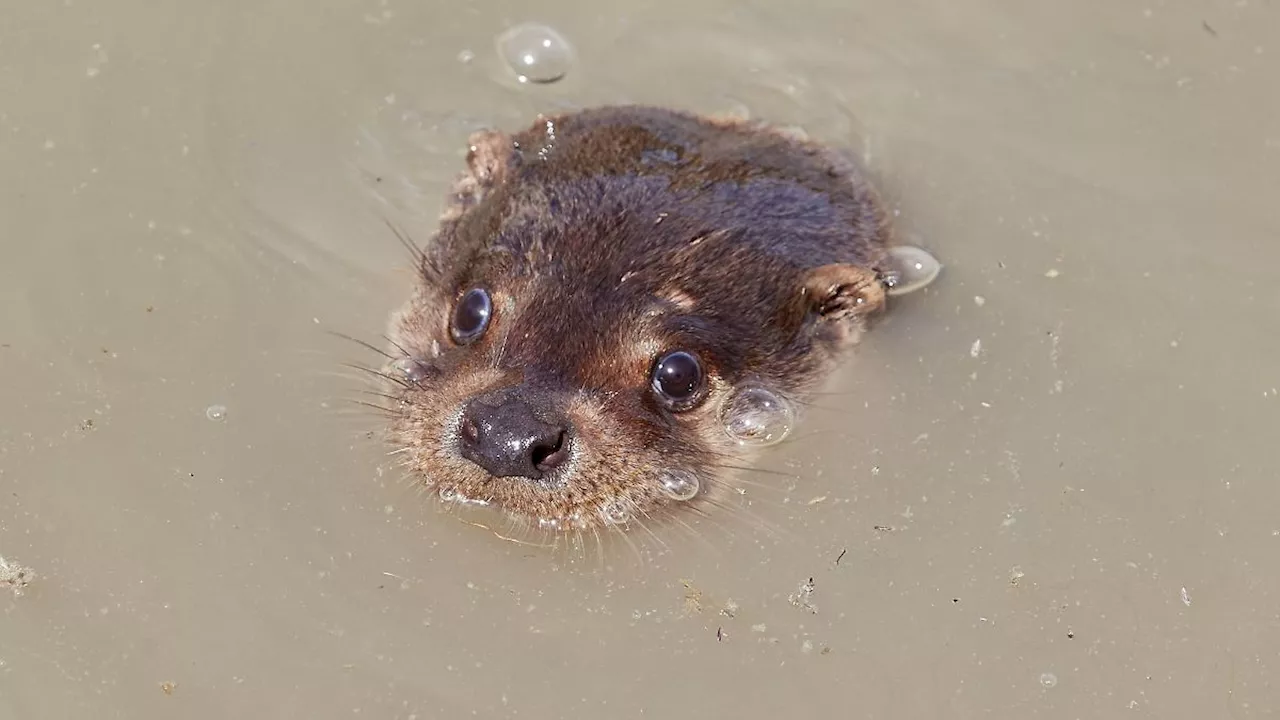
{"type": "Point", "coordinates": [402, 382]}
{"type": "Point", "coordinates": [816, 432]}
{"type": "Point", "coordinates": [725, 510]}
{"type": "Point", "coordinates": [388, 412]}
{"type": "Point", "coordinates": [501, 351]}
{"type": "Point", "coordinates": [499, 535]}
{"type": "Point", "coordinates": [353, 413]}
{"type": "Point", "coordinates": [418, 254]}
{"type": "Point", "coordinates": [361, 343]}
{"type": "Point", "coordinates": [742, 456]}
{"type": "Point", "coordinates": [397, 346]}
{"type": "Point", "coordinates": [384, 396]}
{"type": "Point", "coordinates": [341, 374]}
{"type": "Point", "coordinates": [630, 541]}
{"type": "Point", "coordinates": [757, 470]}
{"type": "Point", "coordinates": [740, 486]}
{"type": "Point", "coordinates": [595, 532]}
{"type": "Point", "coordinates": [811, 405]}
{"type": "Point", "coordinates": [692, 532]}
{"type": "Point", "coordinates": [833, 393]}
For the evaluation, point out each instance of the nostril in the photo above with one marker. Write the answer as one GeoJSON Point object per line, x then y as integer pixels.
{"type": "Point", "coordinates": [549, 454]}
{"type": "Point", "coordinates": [470, 431]}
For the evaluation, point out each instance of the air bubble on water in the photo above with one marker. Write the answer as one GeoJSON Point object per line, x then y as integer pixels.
{"type": "Point", "coordinates": [736, 110]}
{"type": "Point", "coordinates": [754, 415]}
{"type": "Point", "coordinates": [216, 413]}
{"type": "Point", "coordinates": [1048, 680]}
{"type": "Point", "coordinates": [614, 513]}
{"type": "Point", "coordinates": [536, 53]}
{"type": "Point", "coordinates": [448, 494]}
{"type": "Point", "coordinates": [912, 269]}
{"type": "Point", "coordinates": [680, 484]}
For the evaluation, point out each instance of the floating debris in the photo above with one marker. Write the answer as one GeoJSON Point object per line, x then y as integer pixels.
{"type": "Point", "coordinates": [15, 577]}
{"type": "Point", "coordinates": [803, 598]}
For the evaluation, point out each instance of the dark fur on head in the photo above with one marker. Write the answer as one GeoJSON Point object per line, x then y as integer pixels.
{"type": "Point", "coordinates": [605, 238]}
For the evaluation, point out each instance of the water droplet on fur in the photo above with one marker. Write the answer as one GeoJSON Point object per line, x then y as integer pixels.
{"type": "Point", "coordinates": [614, 513]}
{"type": "Point", "coordinates": [680, 484]}
{"type": "Point", "coordinates": [216, 413]}
{"type": "Point", "coordinates": [549, 523]}
{"type": "Point", "coordinates": [912, 269]}
{"type": "Point", "coordinates": [410, 369]}
{"type": "Point", "coordinates": [754, 415]}
{"type": "Point", "coordinates": [536, 53]}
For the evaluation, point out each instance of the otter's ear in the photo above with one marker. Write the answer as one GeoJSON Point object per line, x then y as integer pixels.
{"type": "Point", "coordinates": [841, 291]}
{"type": "Point", "coordinates": [490, 157]}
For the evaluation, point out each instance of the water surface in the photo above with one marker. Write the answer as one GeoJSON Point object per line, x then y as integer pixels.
{"type": "Point", "coordinates": [1045, 488]}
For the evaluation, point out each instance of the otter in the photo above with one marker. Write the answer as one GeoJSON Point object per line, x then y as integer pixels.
{"type": "Point", "coordinates": [603, 285]}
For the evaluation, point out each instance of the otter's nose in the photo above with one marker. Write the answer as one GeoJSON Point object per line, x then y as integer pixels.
{"type": "Point", "coordinates": [506, 437]}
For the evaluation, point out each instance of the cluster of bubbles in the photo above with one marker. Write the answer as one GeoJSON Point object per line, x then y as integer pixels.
{"type": "Point", "coordinates": [679, 485]}
{"type": "Point", "coordinates": [753, 415]}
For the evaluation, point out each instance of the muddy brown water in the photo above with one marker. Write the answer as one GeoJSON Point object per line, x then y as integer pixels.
{"type": "Point", "coordinates": [1046, 488]}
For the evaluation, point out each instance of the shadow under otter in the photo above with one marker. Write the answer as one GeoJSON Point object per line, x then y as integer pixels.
{"type": "Point", "coordinates": [608, 289]}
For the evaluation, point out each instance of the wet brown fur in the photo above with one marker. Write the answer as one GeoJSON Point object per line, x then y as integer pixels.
{"type": "Point", "coordinates": [607, 237]}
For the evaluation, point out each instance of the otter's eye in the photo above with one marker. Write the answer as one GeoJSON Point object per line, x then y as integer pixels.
{"type": "Point", "coordinates": [678, 379]}
{"type": "Point", "coordinates": [471, 316]}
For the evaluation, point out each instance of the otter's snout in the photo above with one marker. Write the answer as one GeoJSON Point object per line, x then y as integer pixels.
{"type": "Point", "coordinates": [510, 435]}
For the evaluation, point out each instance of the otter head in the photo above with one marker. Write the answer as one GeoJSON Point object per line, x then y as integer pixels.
{"type": "Point", "coordinates": [591, 306]}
